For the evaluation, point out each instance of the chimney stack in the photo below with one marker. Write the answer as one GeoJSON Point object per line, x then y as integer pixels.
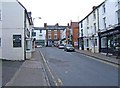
{"type": "Point", "coordinates": [94, 7]}
{"type": "Point", "coordinates": [45, 25]}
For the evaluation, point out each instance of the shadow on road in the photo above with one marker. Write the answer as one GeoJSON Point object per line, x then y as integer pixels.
{"type": "Point", "coordinates": [9, 69]}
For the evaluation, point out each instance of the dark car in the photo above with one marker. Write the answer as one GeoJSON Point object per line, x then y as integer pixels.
{"type": "Point", "coordinates": [69, 47]}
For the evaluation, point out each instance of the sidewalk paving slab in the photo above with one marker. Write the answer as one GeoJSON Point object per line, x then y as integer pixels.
{"type": "Point", "coordinates": [99, 56]}
{"type": "Point", "coordinates": [30, 73]}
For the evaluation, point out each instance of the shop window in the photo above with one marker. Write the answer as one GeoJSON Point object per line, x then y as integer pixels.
{"type": "Point", "coordinates": [103, 42]}
{"type": "Point", "coordinates": [17, 41]}
{"type": "Point", "coordinates": [87, 43]}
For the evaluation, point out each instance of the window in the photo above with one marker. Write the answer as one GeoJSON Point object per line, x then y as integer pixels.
{"type": "Point", "coordinates": [17, 41]}
{"type": "Point", "coordinates": [87, 20]}
{"type": "Point", "coordinates": [87, 43]}
{"type": "Point", "coordinates": [94, 15]}
{"type": "Point", "coordinates": [104, 22]}
{"type": "Point", "coordinates": [81, 24]}
{"type": "Point", "coordinates": [40, 31]}
{"type": "Point", "coordinates": [0, 15]}
{"type": "Point", "coordinates": [40, 35]}
{"type": "Point", "coordinates": [94, 28]}
{"type": "Point", "coordinates": [49, 36]}
{"type": "Point", "coordinates": [118, 16]}
{"type": "Point", "coordinates": [95, 42]}
{"type": "Point", "coordinates": [104, 10]}
{"type": "Point", "coordinates": [0, 42]}
{"type": "Point", "coordinates": [33, 33]}
{"type": "Point", "coordinates": [55, 31]}
{"type": "Point", "coordinates": [55, 36]}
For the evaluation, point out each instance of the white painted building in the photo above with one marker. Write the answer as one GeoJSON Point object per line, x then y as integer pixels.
{"type": "Point", "coordinates": [40, 35]}
{"type": "Point", "coordinates": [0, 29]}
{"type": "Point", "coordinates": [63, 36]}
{"type": "Point", "coordinates": [109, 24]}
{"type": "Point", "coordinates": [16, 31]}
{"type": "Point", "coordinates": [88, 29]}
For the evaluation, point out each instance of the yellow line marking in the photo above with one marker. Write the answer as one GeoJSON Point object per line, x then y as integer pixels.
{"type": "Point", "coordinates": [55, 82]}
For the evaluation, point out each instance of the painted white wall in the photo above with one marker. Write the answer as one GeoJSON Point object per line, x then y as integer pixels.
{"type": "Point", "coordinates": [1, 29]}
{"type": "Point", "coordinates": [111, 17]}
{"type": "Point", "coordinates": [38, 37]}
{"type": "Point", "coordinates": [12, 24]}
{"type": "Point", "coordinates": [89, 30]}
{"type": "Point", "coordinates": [110, 14]}
{"type": "Point", "coordinates": [63, 35]}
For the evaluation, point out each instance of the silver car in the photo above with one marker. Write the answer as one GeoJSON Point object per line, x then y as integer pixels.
{"type": "Point", "coordinates": [69, 47]}
{"type": "Point", "coordinates": [61, 46]}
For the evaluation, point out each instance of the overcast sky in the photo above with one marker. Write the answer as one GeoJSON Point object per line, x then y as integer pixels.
{"type": "Point", "coordinates": [59, 11]}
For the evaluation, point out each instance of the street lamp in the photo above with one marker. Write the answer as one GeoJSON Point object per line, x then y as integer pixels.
{"type": "Point", "coordinates": [36, 18]}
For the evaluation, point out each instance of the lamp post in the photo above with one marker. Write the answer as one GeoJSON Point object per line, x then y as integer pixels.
{"type": "Point", "coordinates": [36, 18]}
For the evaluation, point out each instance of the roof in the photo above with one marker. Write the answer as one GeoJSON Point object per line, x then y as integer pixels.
{"type": "Point", "coordinates": [39, 28]}
{"type": "Point", "coordinates": [50, 27]}
{"type": "Point", "coordinates": [74, 24]}
{"type": "Point", "coordinates": [92, 11]}
{"type": "Point", "coordinates": [30, 19]}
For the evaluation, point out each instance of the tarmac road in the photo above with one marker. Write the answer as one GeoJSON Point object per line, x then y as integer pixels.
{"type": "Point", "coordinates": [74, 69]}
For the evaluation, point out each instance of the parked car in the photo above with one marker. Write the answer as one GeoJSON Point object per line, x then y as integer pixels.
{"type": "Point", "coordinates": [38, 46]}
{"type": "Point", "coordinates": [69, 47]}
{"type": "Point", "coordinates": [61, 46]}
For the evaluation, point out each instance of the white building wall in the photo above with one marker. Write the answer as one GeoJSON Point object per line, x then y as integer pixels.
{"type": "Point", "coordinates": [12, 24]}
{"type": "Point", "coordinates": [85, 33]}
{"type": "Point", "coordinates": [63, 35]}
{"type": "Point", "coordinates": [38, 37]}
{"type": "Point", "coordinates": [89, 30]}
{"type": "Point", "coordinates": [110, 14]}
{"type": "Point", "coordinates": [111, 7]}
{"type": "Point", "coordinates": [0, 29]}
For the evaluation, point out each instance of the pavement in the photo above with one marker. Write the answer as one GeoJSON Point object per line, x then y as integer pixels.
{"type": "Point", "coordinates": [30, 73]}
{"type": "Point", "coordinates": [100, 56]}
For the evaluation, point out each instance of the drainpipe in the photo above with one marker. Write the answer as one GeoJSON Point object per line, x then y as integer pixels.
{"type": "Point", "coordinates": [25, 34]}
{"type": "Point", "coordinates": [99, 38]}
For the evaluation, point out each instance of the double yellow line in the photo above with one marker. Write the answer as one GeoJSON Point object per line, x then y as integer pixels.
{"type": "Point", "coordinates": [57, 81]}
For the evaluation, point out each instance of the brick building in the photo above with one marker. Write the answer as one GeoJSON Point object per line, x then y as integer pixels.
{"type": "Point", "coordinates": [53, 33]}
{"type": "Point", "coordinates": [75, 33]}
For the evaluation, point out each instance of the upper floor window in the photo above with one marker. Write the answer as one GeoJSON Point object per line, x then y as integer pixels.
{"type": "Point", "coordinates": [104, 22]}
{"type": "Point", "coordinates": [81, 24]}
{"type": "Point", "coordinates": [55, 36]}
{"type": "Point", "coordinates": [40, 31]}
{"type": "Point", "coordinates": [87, 20]}
{"type": "Point", "coordinates": [94, 15]}
{"type": "Point", "coordinates": [104, 10]}
{"type": "Point", "coordinates": [0, 15]}
{"type": "Point", "coordinates": [119, 16]}
{"type": "Point", "coordinates": [95, 27]}
{"type": "Point", "coordinates": [49, 31]}
{"type": "Point", "coordinates": [55, 31]}
{"type": "Point", "coordinates": [0, 42]}
{"type": "Point", "coordinates": [33, 33]}
{"type": "Point", "coordinates": [49, 36]}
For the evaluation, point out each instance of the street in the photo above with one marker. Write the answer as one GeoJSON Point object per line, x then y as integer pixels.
{"type": "Point", "coordinates": [74, 69]}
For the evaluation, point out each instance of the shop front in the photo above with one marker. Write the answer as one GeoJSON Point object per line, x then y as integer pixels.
{"type": "Point", "coordinates": [110, 41]}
